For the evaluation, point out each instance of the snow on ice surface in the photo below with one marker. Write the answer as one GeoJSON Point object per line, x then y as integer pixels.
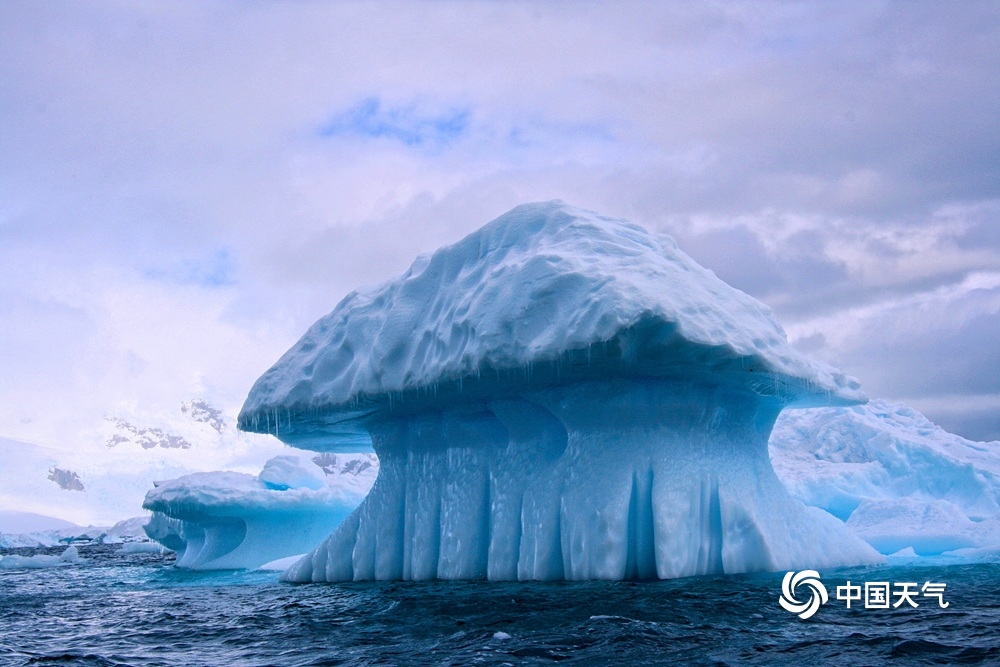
{"type": "Point", "coordinates": [291, 472]}
{"type": "Point", "coordinates": [896, 478]}
{"type": "Point", "coordinates": [543, 283]}
{"type": "Point", "coordinates": [557, 396]}
{"type": "Point", "coordinates": [228, 520]}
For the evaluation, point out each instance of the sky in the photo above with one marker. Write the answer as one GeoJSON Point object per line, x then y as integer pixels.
{"type": "Point", "coordinates": [186, 186]}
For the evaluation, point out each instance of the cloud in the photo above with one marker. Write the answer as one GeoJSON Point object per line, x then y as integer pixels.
{"type": "Point", "coordinates": [239, 167]}
{"type": "Point", "coordinates": [976, 416]}
{"type": "Point", "coordinates": [928, 349]}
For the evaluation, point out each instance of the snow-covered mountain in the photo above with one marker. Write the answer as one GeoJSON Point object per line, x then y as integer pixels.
{"type": "Point", "coordinates": [101, 474]}
{"type": "Point", "coordinates": [13, 522]}
{"type": "Point", "coordinates": [35, 531]}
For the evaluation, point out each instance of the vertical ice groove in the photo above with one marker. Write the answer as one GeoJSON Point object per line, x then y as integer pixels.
{"type": "Point", "coordinates": [641, 554]}
{"type": "Point", "coordinates": [391, 550]}
{"type": "Point", "coordinates": [632, 535]}
{"type": "Point", "coordinates": [647, 550]}
{"type": "Point", "coordinates": [526, 556]}
{"type": "Point", "coordinates": [482, 566]}
{"type": "Point", "coordinates": [710, 543]}
{"type": "Point", "coordinates": [512, 568]}
{"type": "Point", "coordinates": [361, 545]}
{"type": "Point", "coordinates": [408, 518]}
{"type": "Point", "coordinates": [559, 566]}
{"type": "Point", "coordinates": [432, 524]}
{"type": "Point", "coordinates": [433, 556]}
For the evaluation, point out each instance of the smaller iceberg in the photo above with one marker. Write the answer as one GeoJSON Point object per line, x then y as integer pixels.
{"type": "Point", "coordinates": [899, 481]}
{"type": "Point", "coordinates": [144, 547]}
{"type": "Point", "coordinates": [68, 557]}
{"type": "Point", "coordinates": [228, 520]}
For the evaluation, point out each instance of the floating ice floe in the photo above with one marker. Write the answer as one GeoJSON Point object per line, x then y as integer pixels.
{"type": "Point", "coordinates": [281, 564]}
{"type": "Point", "coordinates": [71, 556]}
{"type": "Point", "coordinates": [557, 396]}
{"type": "Point", "coordinates": [228, 520]}
{"type": "Point", "coordinates": [143, 548]}
{"type": "Point", "coordinates": [897, 479]}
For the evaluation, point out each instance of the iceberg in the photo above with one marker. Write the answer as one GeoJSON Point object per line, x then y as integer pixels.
{"type": "Point", "coordinates": [143, 547]}
{"type": "Point", "coordinates": [898, 480]}
{"type": "Point", "coordinates": [71, 556]}
{"type": "Point", "coordinates": [230, 520]}
{"type": "Point", "coordinates": [127, 531]}
{"type": "Point", "coordinates": [559, 395]}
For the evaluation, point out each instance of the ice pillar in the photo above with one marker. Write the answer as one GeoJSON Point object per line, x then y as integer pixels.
{"type": "Point", "coordinates": [629, 478]}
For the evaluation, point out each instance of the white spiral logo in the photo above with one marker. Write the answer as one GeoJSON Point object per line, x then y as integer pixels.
{"type": "Point", "coordinates": [808, 578]}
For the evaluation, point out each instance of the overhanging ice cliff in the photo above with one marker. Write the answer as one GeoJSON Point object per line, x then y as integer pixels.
{"type": "Point", "coordinates": [558, 395]}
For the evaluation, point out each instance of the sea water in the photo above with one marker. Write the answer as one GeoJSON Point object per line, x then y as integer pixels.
{"type": "Point", "coordinates": [137, 609]}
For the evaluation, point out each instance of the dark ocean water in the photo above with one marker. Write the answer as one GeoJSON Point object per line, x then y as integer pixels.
{"type": "Point", "coordinates": [136, 609]}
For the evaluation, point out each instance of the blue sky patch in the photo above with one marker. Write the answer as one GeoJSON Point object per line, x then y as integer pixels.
{"type": "Point", "coordinates": [409, 125]}
{"type": "Point", "coordinates": [215, 270]}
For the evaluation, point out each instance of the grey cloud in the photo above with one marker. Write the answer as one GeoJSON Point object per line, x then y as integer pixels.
{"type": "Point", "coordinates": [923, 352]}
{"type": "Point", "coordinates": [983, 229]}
{"type": "Point", "coordinates": [974, 423]}
{"type": "Point", "coordinates": [737, 257]}
{"type": "Point", "coordinates": [874, 96]}
{"type": "Point", "coordinates": [797, 279]}
{"type": "Point", "coordinates": [912, 361]}
{"type": "Point", "coordinates": [146, 137]}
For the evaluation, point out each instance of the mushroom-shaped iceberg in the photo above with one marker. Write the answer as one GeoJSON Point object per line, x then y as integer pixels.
{"type": "Point", "coordinates": [557, 396]}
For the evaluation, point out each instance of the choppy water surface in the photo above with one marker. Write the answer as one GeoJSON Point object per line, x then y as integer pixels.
{"type": "Point", "coordinates": [136, 609]}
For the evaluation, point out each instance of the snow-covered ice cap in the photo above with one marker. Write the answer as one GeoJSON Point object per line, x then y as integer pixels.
{"type": "Point", "coordinates": [545, 294]}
